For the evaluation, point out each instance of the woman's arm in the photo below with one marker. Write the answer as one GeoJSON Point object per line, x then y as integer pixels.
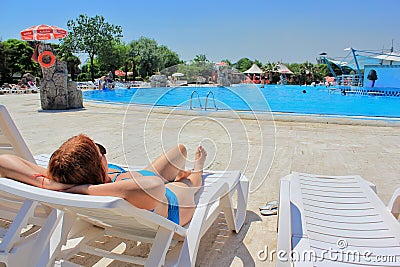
{"type": "Point", "coordinates": [142, 193]}
{"type": "Point", "coordinates": [21, 170]}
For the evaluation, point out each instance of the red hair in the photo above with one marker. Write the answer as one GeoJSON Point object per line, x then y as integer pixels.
{"type": "Point", "coordinates": [77, 161]}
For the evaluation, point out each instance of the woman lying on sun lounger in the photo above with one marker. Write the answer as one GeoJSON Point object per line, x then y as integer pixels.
{"type": "Point", "coordinates": [80, 166]}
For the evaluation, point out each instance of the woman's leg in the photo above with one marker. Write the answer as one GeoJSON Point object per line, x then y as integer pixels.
{"type": "Point", "coordinates": [186, 188]}
{"type": "Point", "coordinates": [170, 164]}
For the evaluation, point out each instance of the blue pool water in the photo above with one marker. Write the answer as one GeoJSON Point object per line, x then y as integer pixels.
{"type": "Point", "coordinates": [276, 98]}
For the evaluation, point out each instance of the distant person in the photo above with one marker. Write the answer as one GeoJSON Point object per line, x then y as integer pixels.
{"type": "Point", "coordinates": [304, 91]}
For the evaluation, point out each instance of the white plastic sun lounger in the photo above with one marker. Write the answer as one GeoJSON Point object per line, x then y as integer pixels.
{"type": "Point", "coordinates": [335, 221]}
{"type": "Point", "coordinates": [11, 141]}
{"type": "Point", "coordinates": [92, 216]}
{"type": "Point", "coordinates": [20, 213]}
{"type": "Point", "coordinates": [78, 220]}
{"type": "Point", "coordinates": [66, 217]}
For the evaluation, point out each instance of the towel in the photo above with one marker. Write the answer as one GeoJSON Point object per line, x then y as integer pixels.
{"type": "Point", "coordinates": [35, 54]}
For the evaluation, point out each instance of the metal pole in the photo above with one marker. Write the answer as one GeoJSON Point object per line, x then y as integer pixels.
{"type": "Point", "coordinates": [358, 67]}
{"type": "Point", "coordinates": [330, 67]}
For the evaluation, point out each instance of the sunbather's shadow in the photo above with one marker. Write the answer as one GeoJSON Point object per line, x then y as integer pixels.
{"type": "Point", "coordinates": [219, 246]}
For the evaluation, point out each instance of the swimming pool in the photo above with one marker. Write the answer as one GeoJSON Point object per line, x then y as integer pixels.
{"type": "Point", "coordinates": [275, 98]}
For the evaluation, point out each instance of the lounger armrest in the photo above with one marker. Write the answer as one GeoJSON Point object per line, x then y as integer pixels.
{"type": "Point", "coordinates": [284, 222]}
{"type": "Point", "coordinates": [394, 203]}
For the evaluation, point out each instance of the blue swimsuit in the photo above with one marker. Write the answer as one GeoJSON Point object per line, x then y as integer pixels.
{"type": "Point", "coordinates": [173, 204]}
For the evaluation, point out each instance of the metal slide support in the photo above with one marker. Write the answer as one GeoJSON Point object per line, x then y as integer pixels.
{"type": "Point", "coordinates": [355, 59]}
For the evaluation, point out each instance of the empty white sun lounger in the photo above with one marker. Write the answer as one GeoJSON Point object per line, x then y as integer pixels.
{"type": "Point", "coordinates": [335, 221]}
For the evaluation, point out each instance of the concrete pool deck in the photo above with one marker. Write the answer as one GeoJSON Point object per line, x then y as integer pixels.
{"type": "Point", "coordinates": [310, 144]}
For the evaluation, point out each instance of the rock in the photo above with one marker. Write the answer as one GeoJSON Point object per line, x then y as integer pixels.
{"type": "Point", "coordinates": [75, 99]}
{"type": "Point", "coordinates": [56, 92]}
{"type": "Point", "coordinates": [158, 81]}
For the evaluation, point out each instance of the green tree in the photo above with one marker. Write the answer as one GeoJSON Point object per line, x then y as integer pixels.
{"type": "Point", "coordinates": [113, 59]}
{"type": "Point", "coordinates": [227, 61]}
{"type": "Point", "coordinates": [168, 57]}
{"type": "Point", "coordinates": [144, 56]}
{"type": "Point", "coordinates": [91, 35]}
{"type": "Point", "coordinates": [322, 71]}
{"type": "Point", "coordinates": [4, 70]}
{"type": "Point", "coordinates": [18, 58]}
{"type": "Point", "coordinates": [270, 67]}
{"type": "Point", "coordinates": [243, 64]}
{"type": "Point", "coordinates": [65, 54]}
{"type": "Point", "coordinates": [201, 58]}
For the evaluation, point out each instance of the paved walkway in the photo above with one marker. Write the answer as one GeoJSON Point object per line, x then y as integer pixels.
{"type": "Point", "coordinates": [264, 150]}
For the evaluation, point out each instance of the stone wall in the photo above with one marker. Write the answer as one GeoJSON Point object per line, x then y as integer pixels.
{"type": "Point", "coordinates": [56, 92]}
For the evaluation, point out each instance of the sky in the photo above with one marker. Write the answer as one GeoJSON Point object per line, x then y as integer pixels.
{"type": "Point", "coordinates": [291, 31]}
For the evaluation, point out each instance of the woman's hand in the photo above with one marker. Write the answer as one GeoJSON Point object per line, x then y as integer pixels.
{"type": "Point", "coordinates": [79, 189]}
{"type": "Point", "coordinates": [53, 185]}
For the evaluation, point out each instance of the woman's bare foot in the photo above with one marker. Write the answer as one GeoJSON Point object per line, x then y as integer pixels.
{"type": "Point", "coordinates": [194, 176]}
{"type": "Point", "coordinates": [199, 159]}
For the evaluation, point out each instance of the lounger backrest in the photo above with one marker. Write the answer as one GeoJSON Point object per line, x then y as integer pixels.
{"type": "Point", "coordinates": [11, 141]}
{"type": "Point", "coordinates": [107, 212]}
{"type": "Point", "coordinates": [341, 213]}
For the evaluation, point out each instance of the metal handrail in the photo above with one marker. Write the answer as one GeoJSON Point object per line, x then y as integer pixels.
{"type": "Point", "coordinates": [198, 98]}
{"type": "Point", "coordinates": [349, 80]}
{"type": "Point", "coordinates": [215, 106]}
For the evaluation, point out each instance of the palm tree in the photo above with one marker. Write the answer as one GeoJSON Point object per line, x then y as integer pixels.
{"type": "Point", "coordinates": [271, 68]}
{"type": "Point", "coordinates": [308, 71]}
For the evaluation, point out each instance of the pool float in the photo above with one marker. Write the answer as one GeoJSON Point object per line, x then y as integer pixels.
{"type": "Point", "coordinates": [46, 59]}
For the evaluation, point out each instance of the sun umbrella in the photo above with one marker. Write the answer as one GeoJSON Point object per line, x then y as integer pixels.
{"type": "Point", "coordinates": [43, 32]}
{"type": "Point", "coordinates": [119, 73]}
{"type": "Point", "coordinates": [283, 69]}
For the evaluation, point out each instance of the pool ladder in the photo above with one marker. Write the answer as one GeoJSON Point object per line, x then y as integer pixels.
{"type": "Point", "coordinates": [198, 98]}
{"type": "Point", "coordinates": [191, 99]}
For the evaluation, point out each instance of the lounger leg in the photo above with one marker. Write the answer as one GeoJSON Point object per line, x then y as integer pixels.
{"type": "Point", "coordinates": [159, 248]}
{"type": "Point", "coordinates": [190, 245]}
{"type": "Point", "coordinates": [50, 237]}
{"type": "Point", "coordinates": [394, 204]}
{"type": "Point", "coordinates": [235, 222]}
{"type": "Point", "coordinates": [18, 256]}
{"type": "Point", "coordinates": [21, 220]}
{"type": "Point", "coordinates": [284, 221]}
